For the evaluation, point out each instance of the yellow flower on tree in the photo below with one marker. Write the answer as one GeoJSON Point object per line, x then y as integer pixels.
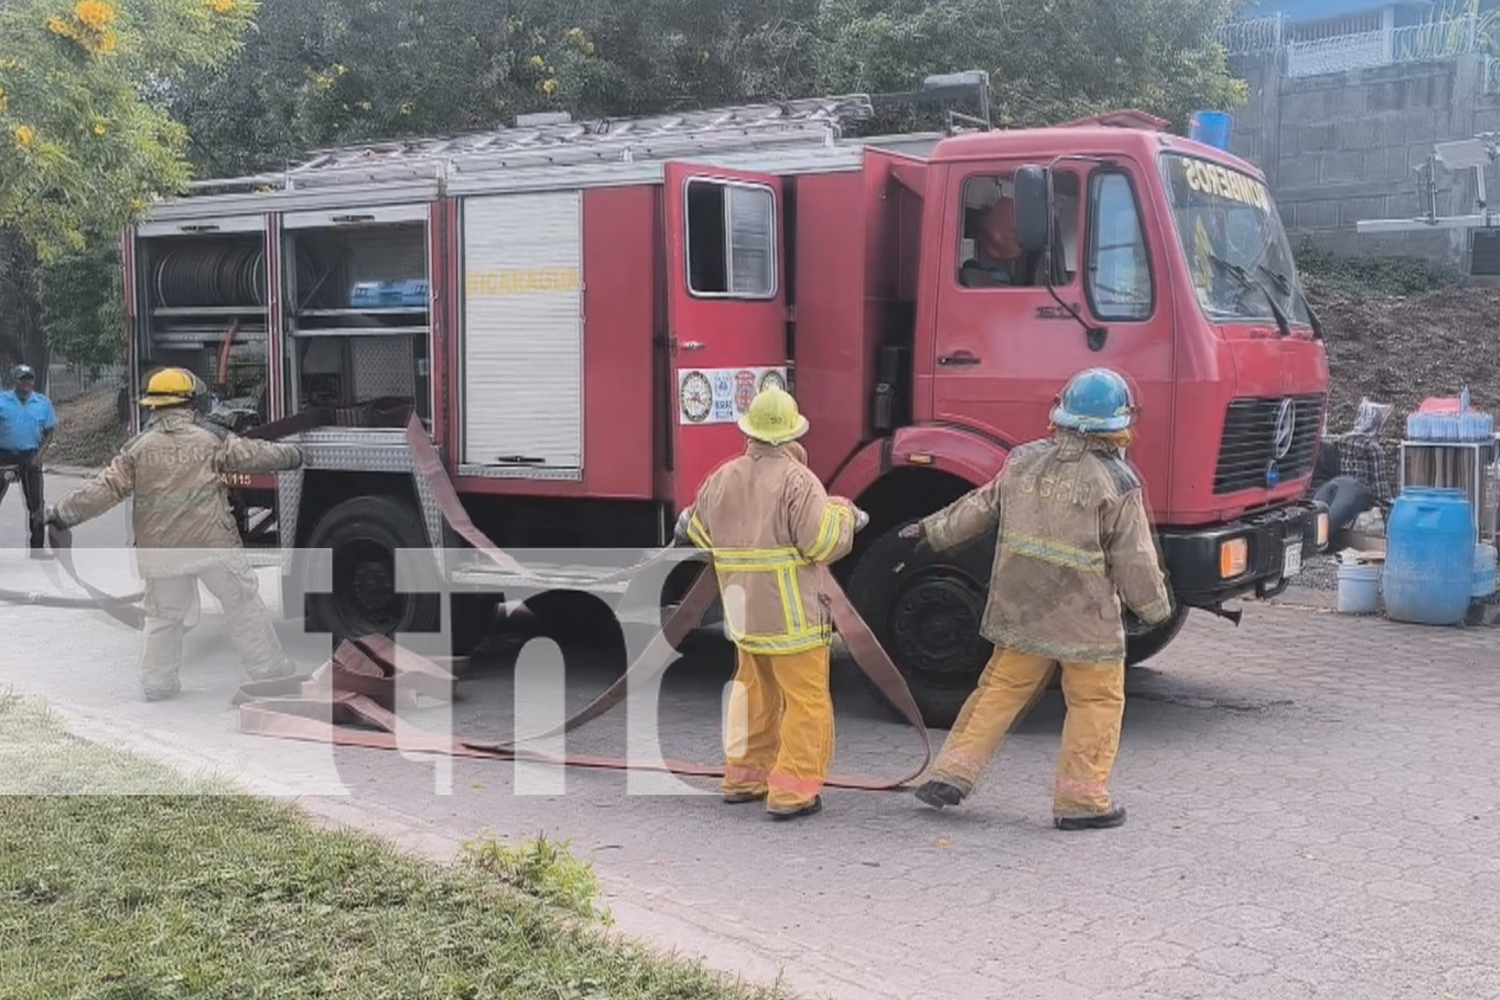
{"type": "Point", "coordinates": [99, 128]}
{"type": "Point", "coordinates": [24, 136]}
{"type": "Point", "coordinates": [220, 6]}
{"type": "Point", "coordinates": [549, 87]}
{"type": "Point", "coordinates": [94, 13]}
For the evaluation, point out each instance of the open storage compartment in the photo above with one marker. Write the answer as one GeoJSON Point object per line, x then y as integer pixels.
{"type": "Point", "coordinates": [204, 294]}
{"type": "Point", "coordinates": [359, 321]}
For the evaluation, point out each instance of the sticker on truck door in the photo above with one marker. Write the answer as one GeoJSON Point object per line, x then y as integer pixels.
{"type": "Point", "coordinates": [722, 395]}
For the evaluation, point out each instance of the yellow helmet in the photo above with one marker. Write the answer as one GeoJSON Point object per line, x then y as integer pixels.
{"type": "Point", "coordinates": [773, 417]}
{"type": "Point", "coordinates": [170, 387]}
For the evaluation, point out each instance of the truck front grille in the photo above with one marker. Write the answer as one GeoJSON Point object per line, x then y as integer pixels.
{"type": "Point", "coordinates": [1249, 444]}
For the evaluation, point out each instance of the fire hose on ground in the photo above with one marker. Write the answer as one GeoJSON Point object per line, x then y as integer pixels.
{"type": "Point", "coordinates": [362, 683]}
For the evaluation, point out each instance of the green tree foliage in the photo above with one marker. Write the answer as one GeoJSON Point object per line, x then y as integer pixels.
{"type": "Point", "coordinates": [1048, 60]}
{"type": "Point", "coordinates": [323, 72]}
{"type": "Point", "coordinates": [83, 144]}
{"type": "Point", "coordinates": [86, 141]}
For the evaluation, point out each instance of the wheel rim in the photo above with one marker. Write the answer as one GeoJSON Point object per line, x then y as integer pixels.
{"type": "Point", "coordinates": [935, 627]}
{"type": "Point", "coordinates": [364, 587]}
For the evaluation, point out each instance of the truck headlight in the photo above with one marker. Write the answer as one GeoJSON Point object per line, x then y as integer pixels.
{"type": "Point", "coordinates": [1322, 530]}
{"type": "Point", "coordinates": [1234, 557]}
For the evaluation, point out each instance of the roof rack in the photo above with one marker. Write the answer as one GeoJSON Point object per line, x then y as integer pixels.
{"type": "Point", "coordinates": [807, 121]}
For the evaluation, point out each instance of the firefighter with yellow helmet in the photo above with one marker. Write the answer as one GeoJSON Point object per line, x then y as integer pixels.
{"type": "Point", "coordinates": [184, 531]}
{"type": "Point", "coordinates": [772, 530]}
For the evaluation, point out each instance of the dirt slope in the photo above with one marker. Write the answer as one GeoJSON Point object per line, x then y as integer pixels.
{"type": "Point", "coordinates": [88, 429]}
{"type": "Point", "coordinates": [1400, 349]}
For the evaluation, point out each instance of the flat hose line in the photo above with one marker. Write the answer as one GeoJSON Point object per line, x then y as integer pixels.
{"type": "Point", "coordinates": [364, 679]}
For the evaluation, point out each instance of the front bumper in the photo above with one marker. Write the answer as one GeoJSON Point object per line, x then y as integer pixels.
{"type": "Point", "coordinates": [1207, 566]}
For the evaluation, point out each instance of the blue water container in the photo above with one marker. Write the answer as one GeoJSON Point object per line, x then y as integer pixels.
{"type": "Point", "coordinates": [1429, 562]}
{"type": "Point", "coordinates": [1210, 128]}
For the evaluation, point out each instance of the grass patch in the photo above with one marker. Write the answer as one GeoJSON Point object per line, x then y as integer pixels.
{"type": "Point", "coordinates": [167, 896]}
{"type": "Point", "coordinates": [39, 757]}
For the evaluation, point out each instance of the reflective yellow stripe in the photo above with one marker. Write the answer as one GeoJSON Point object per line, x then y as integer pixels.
{"type": "Point", "coordinates": [828, 532]}
{"type": "Point", "coordinates": [729, 565]}
{"type": "Point", "coordinates": [697, 534]}
{"type": "Point", "coordinates": [1055, 553]}
{"type": "Point", "coordinates": [781, 645]}
{"type": "Point", "coordinates": [1156, 611]}
{"type": "Point", "coordinates": [791, 600]}
{"type": "Point", "coordinates": [1020, 640]}
{"type": "Point", "coordinates": [758, 559]}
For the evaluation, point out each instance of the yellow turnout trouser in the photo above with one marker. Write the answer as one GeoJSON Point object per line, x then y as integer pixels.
{"type": "Point", "coordinates": [1095, 696]}
{"type": "Point", "coordinates": [779, 740]}
{"type": "Point", "coordinates": [169, 600]}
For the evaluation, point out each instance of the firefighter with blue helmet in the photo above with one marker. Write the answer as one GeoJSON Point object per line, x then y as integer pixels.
{"type": "Point", "coordinates": [1072, 541]}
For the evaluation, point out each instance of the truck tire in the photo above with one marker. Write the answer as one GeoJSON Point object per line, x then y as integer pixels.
{"type": "Point", "coordinates": [1142, 643]}
{"type": "Point", "coordinates": [363, 535]}
{"type": "Point", "coordinates": [925, 608]}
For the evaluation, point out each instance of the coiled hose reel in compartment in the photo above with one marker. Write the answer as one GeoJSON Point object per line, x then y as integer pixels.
{"type": "Point", "coordinates": [221, 276]}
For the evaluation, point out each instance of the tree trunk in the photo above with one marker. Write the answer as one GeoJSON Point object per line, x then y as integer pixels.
{"type": "Point", "coordinates": [22, 338]}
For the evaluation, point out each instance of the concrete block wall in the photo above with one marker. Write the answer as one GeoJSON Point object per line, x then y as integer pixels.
{"type": "Point", "coordinates": [1342, 147]}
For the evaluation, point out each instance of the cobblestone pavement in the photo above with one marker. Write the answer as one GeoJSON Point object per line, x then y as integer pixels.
{"type": "Point", "coordinates": [1314, 812]}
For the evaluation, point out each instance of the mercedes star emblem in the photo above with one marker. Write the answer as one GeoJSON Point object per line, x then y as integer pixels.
{"type": "Point", "coordinates": [1286, 426]}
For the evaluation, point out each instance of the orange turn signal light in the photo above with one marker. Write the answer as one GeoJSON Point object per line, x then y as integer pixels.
{"type": "Point", "coordinates": [1234, 558]}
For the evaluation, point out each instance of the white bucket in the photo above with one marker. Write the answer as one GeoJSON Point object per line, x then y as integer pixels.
{"type": "Point", "coordinates": [1359, 589]}
{"type": "Point", "coordinates": [1484, 570]}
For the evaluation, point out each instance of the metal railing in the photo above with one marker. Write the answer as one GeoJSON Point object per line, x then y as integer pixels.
{"type": "Point", "coordinates": [66, 381]}
{"type": "Point", "coordinates": [1444, 38]}
{"type": "Point", "coordinates": [1252, 36]}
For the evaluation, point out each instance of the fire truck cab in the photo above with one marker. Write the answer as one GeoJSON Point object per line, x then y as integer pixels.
{"type": "Point", "coordinates": [578, 313]}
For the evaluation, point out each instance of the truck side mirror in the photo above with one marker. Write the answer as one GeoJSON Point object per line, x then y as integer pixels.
{"type": "Point", "coordinates": [1033, 196]}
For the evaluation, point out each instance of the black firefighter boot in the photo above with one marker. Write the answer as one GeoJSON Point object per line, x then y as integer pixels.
{"type": "Point", "coordinates": [1103, 821]}
{"type": "Point", "coordinates": [938, 793]}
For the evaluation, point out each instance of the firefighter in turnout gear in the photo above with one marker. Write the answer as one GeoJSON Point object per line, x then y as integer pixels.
{"type": "Point", "coordinates": [1072, 538]}
{"type": "Point", "coordinates": [183, 528]}
{"type": "Point", "coordinates": [772, 531]}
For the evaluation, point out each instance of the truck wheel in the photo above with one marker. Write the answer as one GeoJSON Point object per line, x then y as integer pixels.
{"type": "Point", "coordinates": [925, 609]}
{"type": "Point", "coordinates": [363, 535]}
{"type": "Point", "coordinates": [1143, 642]}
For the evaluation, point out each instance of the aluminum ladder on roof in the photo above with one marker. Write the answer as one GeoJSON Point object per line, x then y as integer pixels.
{"type": "Point", "coordinates": [805, 122]}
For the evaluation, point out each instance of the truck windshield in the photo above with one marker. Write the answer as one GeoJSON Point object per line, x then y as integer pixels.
{"type": "Point", "coordinates": [1233, 240]}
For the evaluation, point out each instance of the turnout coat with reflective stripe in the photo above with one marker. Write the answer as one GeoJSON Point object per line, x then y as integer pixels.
{"type": "Point", "coordinates": [173, 469]}
{"type": "Point", "coordinates": [1073, 538]}
{"type": "Point", "coordinates": [768, 523]}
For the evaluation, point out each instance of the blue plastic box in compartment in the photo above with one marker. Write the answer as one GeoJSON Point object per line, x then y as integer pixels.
{"type": "Point", "coordinates": [414, 293]}
{"type": "Point", "coordinates": [388, 294]}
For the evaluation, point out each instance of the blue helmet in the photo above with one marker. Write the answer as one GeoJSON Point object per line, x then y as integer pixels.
{"type": "Point", "coordinates": [1095, 401]}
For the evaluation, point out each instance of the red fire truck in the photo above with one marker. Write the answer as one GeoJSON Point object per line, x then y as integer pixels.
{"type": "Point", "coordinates": [578, 311]}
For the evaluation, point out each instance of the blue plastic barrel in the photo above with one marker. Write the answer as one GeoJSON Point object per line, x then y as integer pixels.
{"type": "Point", "coordinates": [1210, 128]}
{"type": "Point", "coordinates": [1429, 562]}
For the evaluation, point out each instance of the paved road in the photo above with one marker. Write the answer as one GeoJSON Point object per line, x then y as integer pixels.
{"type": "Point", "coordinates": [1315, 812]}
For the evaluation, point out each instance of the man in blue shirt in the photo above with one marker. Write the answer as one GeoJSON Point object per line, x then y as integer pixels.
{"type": "Point", "coordinates": [26, 425]}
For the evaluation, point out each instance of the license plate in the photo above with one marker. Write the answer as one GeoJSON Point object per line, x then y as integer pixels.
{"type": "Point", "coordinates": [1291, 560]}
